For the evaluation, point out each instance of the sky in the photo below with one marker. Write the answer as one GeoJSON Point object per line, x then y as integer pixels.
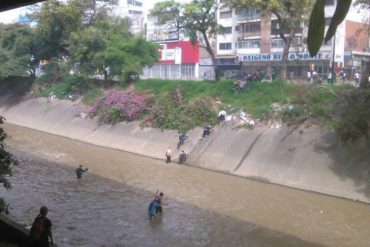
{"type": "Point", "coordinates": [11, 15]}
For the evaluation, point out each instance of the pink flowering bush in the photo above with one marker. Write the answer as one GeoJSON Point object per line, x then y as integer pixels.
{"type": "Point", "coordinates": [120, 106]}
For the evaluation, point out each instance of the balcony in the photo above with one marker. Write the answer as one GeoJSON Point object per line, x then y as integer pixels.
{"type": "Point", "coordinates": [242, 36]}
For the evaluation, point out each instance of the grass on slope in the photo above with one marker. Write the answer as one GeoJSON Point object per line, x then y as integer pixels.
{"type": "Point", "coordinates": [256, 99]}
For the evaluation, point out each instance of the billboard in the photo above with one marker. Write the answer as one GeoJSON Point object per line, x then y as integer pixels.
{"type": "Point", "coordinates": [179, 52]}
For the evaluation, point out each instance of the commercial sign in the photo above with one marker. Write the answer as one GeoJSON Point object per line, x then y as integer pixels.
{"type": "Point", "coordinates": [179, 52]}
{"type": "Point", "coordinates": [168, 54]}
{"type": "Point", "coordinates": [279, 56]}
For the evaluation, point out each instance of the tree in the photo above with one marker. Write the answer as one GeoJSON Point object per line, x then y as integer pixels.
{"type": "Point", "coordinates": [81, 35]}
{"type": "Point", "coordinates": [290, 15]}
{"type": "Point", "coordinates": [17, 51]}
{"type": "Point", "coordinates": [93, 9]}
{"type": "Point", "coordinates": [108, 43]}
{"type": "Point", "coordinates": [126, 56]}
{"type": "Point", "coordinates": [197, 18]}
{"type": "Point", "coordinates": [57, 20]}
{"type": "Point", "coordinates": [7, 161]}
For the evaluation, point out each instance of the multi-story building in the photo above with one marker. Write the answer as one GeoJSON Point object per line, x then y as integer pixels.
{"type": "Point", "coordinates": [179, 58]}
{"type": "Point", "coordinates": [136, 11]}
{"type": "Point", "coordinates": [250, 42]}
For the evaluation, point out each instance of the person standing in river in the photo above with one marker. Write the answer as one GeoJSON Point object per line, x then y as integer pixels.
{"type": "Point", "coordinates": [41, 230]}
{"type": "Point", "coordinates": [168, 155]}
{"type": "Point", "coordinates": [158, 198]}
{"type": "Point", "coordinates": [80, 171]}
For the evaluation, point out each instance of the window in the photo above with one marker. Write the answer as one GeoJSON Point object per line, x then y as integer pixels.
{"type": "Point", "coordinates": [248, 14]}
{"type": "Point", "coordinates": [275, 43]}
{"type": "Point", "coordinates": [130, 2]}
{"type": "Point", "coordinates": [140, 4]}
{"type": "Point", "coordinates": [225, 46]}
{"type": "Point", "coordinates": [252, 43]}
{"type": "Point", "coordinates": [329, 2]}
{"type": "Point", "coordinates": [237, 29]}
{"type": "Point", "coordinates": [226, 30]}
{"type": "Point", "coordinates": [276, 28]}
{"type": "Point", "coordinates": [252, 27]}
{"type": "Point", "coordinates": [275, 24]}
{"type": "Point", "coordinates": [135, 12]}
{"type": "Point", "coordinates": [227, 14]}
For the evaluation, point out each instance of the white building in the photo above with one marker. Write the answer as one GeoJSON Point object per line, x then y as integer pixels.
{"type": "Point", "coordinates": [137, 11]}
{"type": "Point", "coordinates": [250, 42]}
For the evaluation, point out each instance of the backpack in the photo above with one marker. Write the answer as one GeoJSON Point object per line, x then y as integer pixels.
{"type": "Point", "coordinates": [37, 228]}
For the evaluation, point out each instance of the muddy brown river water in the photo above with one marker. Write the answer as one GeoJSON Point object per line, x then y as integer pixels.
{"type": "Point", "coordinates": [108, 206]}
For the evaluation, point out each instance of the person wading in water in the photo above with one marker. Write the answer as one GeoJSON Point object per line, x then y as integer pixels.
{"type": "Point", "coordinates": [41, 230]}
{"type": "Point", "coordinates": [80, 171]}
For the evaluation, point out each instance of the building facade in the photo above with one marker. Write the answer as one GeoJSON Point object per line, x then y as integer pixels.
{"type": "Point", "coordinates": [250, 42]}
{"type": "Point", "coordinates": [179, 59]}
{"type": "Point", "coordinates": [136, 10]}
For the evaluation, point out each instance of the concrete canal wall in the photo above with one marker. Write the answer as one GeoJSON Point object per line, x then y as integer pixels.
{"type": "Point", "coordinates": [13, 234]}
{"type": "Point", "coordinates": [308, 157]}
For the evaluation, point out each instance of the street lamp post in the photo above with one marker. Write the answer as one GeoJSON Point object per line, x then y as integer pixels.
{"type": "Point", "coordinates": [333, 61]}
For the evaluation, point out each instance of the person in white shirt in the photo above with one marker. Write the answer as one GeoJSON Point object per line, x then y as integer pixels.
{"type": "Point", "coordinates": [357, 78]}
{"type": "Point", "coordinates": [309, 76]}
{"type": "Point", "coordinates": [168, 155]}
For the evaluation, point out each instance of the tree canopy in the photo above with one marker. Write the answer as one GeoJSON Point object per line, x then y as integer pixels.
{"type": "Point", "coordinates": [78, 35]}
{"type": "Point", "coordinates": [197, 19]}
{"type": "Point", "coordinates": [7, 161]}
{"type": "Point", "coordinates": [16, 50]}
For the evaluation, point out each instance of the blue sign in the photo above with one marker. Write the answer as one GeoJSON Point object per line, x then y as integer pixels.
{"type": "Point", "coordinates": [279, 56]}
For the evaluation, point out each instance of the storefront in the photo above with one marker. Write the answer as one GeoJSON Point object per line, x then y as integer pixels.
{"type": "Point", "coordinates": [355, 61]}
{"type": "Point", "coordinates": [178, 60]}
{"type": "Point", "coordinates": [228, 66]}
{"type": "Point", "coordinates": [298, 64]}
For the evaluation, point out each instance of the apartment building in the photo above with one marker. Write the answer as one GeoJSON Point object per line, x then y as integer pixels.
{"type": "Point", "coordinates": [136, 10]}
{"type": "Point", "coordinates": [250, 42]}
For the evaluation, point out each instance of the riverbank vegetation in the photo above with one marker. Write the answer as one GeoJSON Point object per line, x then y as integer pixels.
{"type": "Point", "coordinates": [80, 50]}
{"type": "Point", "coordinates": [183, 105]}
{"type": "Point", "coordinates": [7, 161]}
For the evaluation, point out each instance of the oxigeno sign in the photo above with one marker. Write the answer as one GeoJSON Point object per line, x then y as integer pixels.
{"type": "Point", "coordinates": [279, 56]}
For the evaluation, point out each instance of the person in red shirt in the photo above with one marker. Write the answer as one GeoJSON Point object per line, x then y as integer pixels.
{"type": "Point", "coordinates": [41, 230]}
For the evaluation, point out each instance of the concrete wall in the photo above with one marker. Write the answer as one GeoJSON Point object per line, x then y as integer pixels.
{"type": "Point", "coordinates": [12, 232]}
{"type": "Point", "coordinates": [307, 157]}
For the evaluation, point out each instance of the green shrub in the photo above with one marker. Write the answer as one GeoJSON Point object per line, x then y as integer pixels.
{"type": "Point", "coordinates": [351, 119]}
{"type": "Point", "coordinates": [290, 113]}
{"type": "Point", "coordinates": [78, 83]}
{"type": "Point", "coordinates": [91, 95]}
{"type": "Point", "coordinates": [60, 90]}
{"type": "Point", "coordinates": [170, 113]}
{"type": "Point", "coordinates": [114, 116]}
{"type": "Point", "coordinates": [16, 84]}
{"type": "Point", "coordinates": [44, 79]}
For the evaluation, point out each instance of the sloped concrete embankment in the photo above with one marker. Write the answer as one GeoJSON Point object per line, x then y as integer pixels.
{"type": "Point", "coordinates": [306, 158]}
{"type": "Point", "coordinates": [13, 234]}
